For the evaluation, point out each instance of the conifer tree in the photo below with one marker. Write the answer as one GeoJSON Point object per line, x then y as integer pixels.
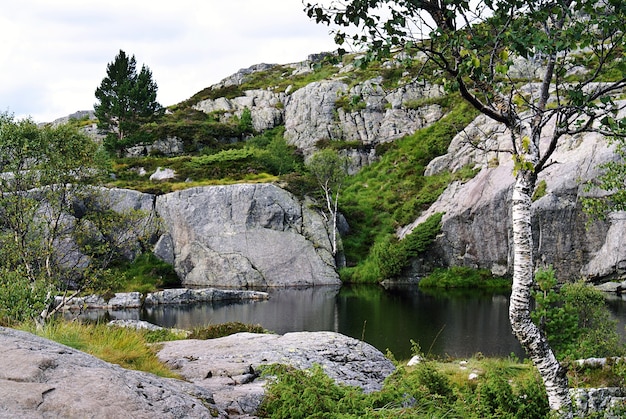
{"type": "Point", "coordinates": [126, 100]}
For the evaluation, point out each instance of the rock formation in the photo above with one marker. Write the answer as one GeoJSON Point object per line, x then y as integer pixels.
{"type": "Point", "coordinates": [43, 379]}
{"type": "Point", "coordinates": [228, 366]}
{"type": "Point", "coordinates": [40, 378]}
{"type": "Point", "coordinates": [246, 235]}
{"type": "Point", "coordinates": [476, 227]}
{"type": "Point", "coordinates": [312, 113]}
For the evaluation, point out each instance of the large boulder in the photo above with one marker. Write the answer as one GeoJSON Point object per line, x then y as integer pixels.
{"type": "Point", "coordinates": [43, 379]}
{"type": "Point", "coordinates": [228, 366]}
{"type": "Point", "coordinates": [246, 235]}
{"type": "Point", "coordinates": [476, 225]}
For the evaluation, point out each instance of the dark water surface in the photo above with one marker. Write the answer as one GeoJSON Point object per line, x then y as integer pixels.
{"type": "Point", "coordinates": [457, 324]}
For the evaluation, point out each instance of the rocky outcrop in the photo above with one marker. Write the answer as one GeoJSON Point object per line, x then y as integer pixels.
{"type": "Point", "coordinates": [246, 235]}
{"type": "Point", "coordinates": [476, 227]}
{"type": "Point", "coordinates": [43, 379]}
{"type": "Point", "coordinates": [374, 115]}
{"type": "Point", "coordinates": [192, 296]}
{"type": "Point", "coordinates": [228, 366]}
{"type": "Point", "coordinates": [606, 402]}
{"type": "Point", "coordinates": [125, 300]}
{"type": "Point", "coordinates": [265, 108]}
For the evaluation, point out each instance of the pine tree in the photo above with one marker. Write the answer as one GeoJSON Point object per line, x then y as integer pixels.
{"type": "Point", "coordinates": [126, 100]}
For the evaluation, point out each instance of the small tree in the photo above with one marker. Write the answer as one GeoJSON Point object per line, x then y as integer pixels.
{"type": "Point", "coordinates": [471, 46]}
{"type": "Point", "coordinates": [55, 230]}
{"type": "Point", "coordinates": [126, 100]}
{"type": "Point", "coordinates": [330, 171]}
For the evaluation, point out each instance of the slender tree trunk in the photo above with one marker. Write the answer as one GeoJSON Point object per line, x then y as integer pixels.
{"type": "Point", "coordinates": [529, 335]}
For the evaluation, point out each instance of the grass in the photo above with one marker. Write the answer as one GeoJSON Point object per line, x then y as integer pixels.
{"type": "Point", "coordinates": [394, 191]}
{"type": "Point", "coordinates": [125, 347]}
{"type": "Point", "coordinates": [263, 158]}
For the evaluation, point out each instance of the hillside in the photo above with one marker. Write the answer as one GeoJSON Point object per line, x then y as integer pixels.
{"type": "Point", "coordinates": [263, 122]}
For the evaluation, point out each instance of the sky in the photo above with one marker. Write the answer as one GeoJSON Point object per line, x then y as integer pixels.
{"type": "Point", "coordinates": [54, 54]}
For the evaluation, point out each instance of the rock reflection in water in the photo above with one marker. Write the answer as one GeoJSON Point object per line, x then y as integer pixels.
{"type": "Point", "coordinates": [457, 324]}
{"type": "Point", "coordinates": [287, 310]}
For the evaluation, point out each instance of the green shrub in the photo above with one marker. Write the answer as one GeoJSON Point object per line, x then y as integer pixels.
{"type": "Point", "coordinates": [575, 319]}
{"type": "Point", "coordinates": [393, 255]}
{"type": "Point", "coordinates": [20, 299]}
{"type": "Point", "coordinates": [146, 273]}
{"type": "Point", "coordinates": [505, 390]}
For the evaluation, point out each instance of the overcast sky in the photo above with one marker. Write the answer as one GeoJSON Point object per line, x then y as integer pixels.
{"type": "Point", "coordinates": [54, 53]}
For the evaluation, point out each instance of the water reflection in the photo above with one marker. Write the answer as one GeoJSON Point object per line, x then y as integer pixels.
{"type": "Point", "coordinates": [455, 325]}
{"type": "Point", "coordinates": [287, 310]}
{"type": "Point", "coordinates": [452, 324]}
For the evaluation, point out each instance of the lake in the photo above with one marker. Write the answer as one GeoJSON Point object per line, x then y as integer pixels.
{"type": "Point", "coordinates": [457, 324]}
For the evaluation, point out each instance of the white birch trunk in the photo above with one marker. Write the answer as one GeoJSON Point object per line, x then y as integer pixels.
{"type": "Point", "coordinates": [529, 335]}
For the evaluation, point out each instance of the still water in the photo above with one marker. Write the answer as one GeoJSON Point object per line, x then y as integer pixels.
{"type": "Point", "coordinates": [457, 324]}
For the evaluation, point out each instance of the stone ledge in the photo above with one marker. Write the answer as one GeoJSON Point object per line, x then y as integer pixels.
{"type": "Point", "coordinates": [123, 300]}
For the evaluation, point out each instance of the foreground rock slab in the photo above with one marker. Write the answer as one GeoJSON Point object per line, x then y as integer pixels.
{"type": "Point", "coordinates": [43, 379]}
{"type": "Point", "coordinates": [228, 367]}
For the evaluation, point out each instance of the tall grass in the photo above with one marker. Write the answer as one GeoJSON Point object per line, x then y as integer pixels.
{"type": "Point", "coordinates": [126, 347]}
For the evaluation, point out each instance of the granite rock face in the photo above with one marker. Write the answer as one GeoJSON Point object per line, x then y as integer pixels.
{"type": "Point", "coordinates": [43, 379]}
{"type": "Point", "coordinates": [377, 116]}
{"type": "Point", "coordinates": [246, 235]}
{"type": "Point", "coordinates": [476, 226]}
{"type": "Point", "coordinates": [228, 366]}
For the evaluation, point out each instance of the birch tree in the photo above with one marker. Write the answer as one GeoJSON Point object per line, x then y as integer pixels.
{"type": "Point", "coordinates": [56, 233]}
{"type": "Point", "coordinates": [330, 171]}
{"type": "Point", "coordinates": [471, 47]}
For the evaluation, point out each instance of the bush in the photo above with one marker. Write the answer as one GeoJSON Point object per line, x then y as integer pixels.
{"type": "Point", "coordinates": [505, 390]}
{"type": "Point", "coordinates": [20, 299]}
{"type": "Point", "coordinates": [575, 319]}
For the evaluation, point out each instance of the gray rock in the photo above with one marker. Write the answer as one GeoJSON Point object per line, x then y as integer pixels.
{"type": "Point", "coordinates": [171, 146]}
{"type": "Point", "coordinates": [612, 287]}
{"type": "Point", "coordinates": [311, 113]}
{"type": "Point", "coordinates": [476, 226]}
{"type": "Point", "coordinates": [264, 106]}
{"type": "Point", "coordinates": [607, 402]}
{"type": "Point", "coordinates": [135, 324]}
{"type": "Point", "coordinates": [227, 366]}
{"type": "Point", "coordinates": [125, 300]}
{"type": "Point", "coordinates": [162, 174]}
{"type": "Point", "coordinates": [246, 236]}
{"type": "Point", "coordinates": [190, 296]}
{"type": "Point", "coordinates": [43, 379]}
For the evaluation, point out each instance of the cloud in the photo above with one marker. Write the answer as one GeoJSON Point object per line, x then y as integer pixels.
{"type": "Point", "coordinates": [53, 55]}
